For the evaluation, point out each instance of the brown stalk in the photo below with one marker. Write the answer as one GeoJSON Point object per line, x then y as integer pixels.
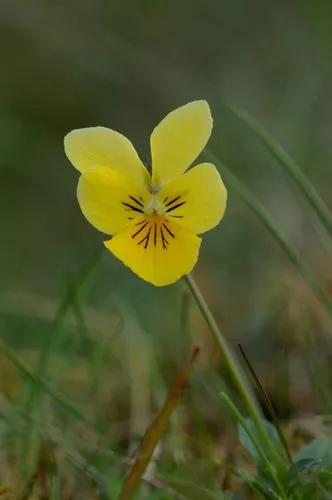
{"type": "Point", "coordinates": [156, 430]}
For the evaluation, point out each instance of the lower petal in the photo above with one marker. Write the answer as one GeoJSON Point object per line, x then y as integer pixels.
{"type": "Point", "coordinates": [157, 250]}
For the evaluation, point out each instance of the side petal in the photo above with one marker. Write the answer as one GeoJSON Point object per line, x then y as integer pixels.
{"type": "Point", "coordinates": [110, 199]}
{"type": "Point", "coordinates": [178, 140]}
{"type": "Point", "coordinates": [93, 147]}
{"type": "Point", "coordinates": [158, 255]}
{"type": "Point", "coordinates": [197, 199]}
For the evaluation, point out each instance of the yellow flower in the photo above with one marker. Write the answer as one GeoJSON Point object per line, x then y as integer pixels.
{"type": "Point", "coordinates": [154, 219]}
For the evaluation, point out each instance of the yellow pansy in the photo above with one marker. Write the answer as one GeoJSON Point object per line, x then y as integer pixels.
{"type": "Point", "coordinates": [154, 219]}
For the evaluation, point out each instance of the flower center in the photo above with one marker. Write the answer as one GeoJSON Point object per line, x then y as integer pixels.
{"type": "Point", "coordinates": [154, 206]}
{"type": "Point", "coordinates": [169, 206]}
{"type": "Point", "coordinates": [153, 219]}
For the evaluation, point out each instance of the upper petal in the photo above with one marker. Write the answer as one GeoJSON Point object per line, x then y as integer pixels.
{"type": "Point", "coordinates": [196, 199]}
{"type": "Point", "coordinates": [178, 140]}
{"type": "Point", "coordinates": [157, 251]}
{"type": "Point", "coordinates": [93, 147]}
{"type": "Point", "coordinates": [110, 199]}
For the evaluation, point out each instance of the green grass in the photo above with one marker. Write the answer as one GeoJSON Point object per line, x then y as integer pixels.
{"type": "Point", "coordinates": [88, 352]}
{"type": "Point", "coordinates": [62, 430]}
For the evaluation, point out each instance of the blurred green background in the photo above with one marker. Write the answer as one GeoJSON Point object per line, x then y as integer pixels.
{"type": "Point", "coordinates": [124, 65]}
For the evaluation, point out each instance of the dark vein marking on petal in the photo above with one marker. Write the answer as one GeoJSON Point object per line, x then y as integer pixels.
{"type": "Point", "coordinates": [169, 231]}
{"type": "Point", "coordinates": [165, 199]}
{"type": "Point", "coordinates": [155, 235]}
{"type": "Point", "coordinates": [140, 222]}
{"type": "Point", "coordinates": [136, 201]}
{"type": "Point", "coordinates": [140, 229]}
{"type": "Point", "coordinates": [176, 216]}
{"type": "Point", "coordinates": [176, 206]}
{"type": "Point", "coordinates": [146, 238]}
{"type": "Point", "coordinates": [172, 201]}
{"type": "Point", "coordinates": [163, 239]}
{"type": "Point", "coordinates": [132, 207]}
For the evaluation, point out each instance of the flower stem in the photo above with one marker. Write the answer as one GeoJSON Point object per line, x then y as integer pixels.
{"type": "Point", "coordinates": [234, 368]}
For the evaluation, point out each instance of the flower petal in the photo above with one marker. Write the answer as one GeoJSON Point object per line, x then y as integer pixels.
{"type": "Point", "coordinates": [197, 199]}
{"type": "Point", "coordinates": [93, 147]}
{"type": "Point", "coordinates": [110, 199]}
{"type": "Point", "coordinates": [159, 252]}
{"type": "Point", "coordinates": [178, 140]}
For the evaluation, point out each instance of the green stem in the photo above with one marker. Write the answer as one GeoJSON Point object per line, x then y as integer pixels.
{"type": "Point", "coordinates": [234, 368]}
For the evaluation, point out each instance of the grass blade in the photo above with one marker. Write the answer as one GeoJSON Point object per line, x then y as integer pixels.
{"type": "Point", "coordinates": [289, 166]}
{"type": "Point", "coordinates": [268, 404]}
{"type": "Point", "coordinates": [263, 215]}
{"type": "Point", "coordinates": [69, 300]}
{"type": "Point", "coordinates": [52, 340]}
{"type": "Point", "coordinates": [46, 388]}
{"type": "Point", "coordinates": [268, 464]}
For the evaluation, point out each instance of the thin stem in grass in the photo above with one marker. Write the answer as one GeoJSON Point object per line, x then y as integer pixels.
{"type": "Point", "coordinates": [264, 458]}
{"type": "Point", "coordinates": [268, 404]}
{"type": "Point", "coordinates": [289, 166]}
{"type": "Point", "coordinates": [259, 210]}
{"type": "Point", "coordinates": [234, 368]}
